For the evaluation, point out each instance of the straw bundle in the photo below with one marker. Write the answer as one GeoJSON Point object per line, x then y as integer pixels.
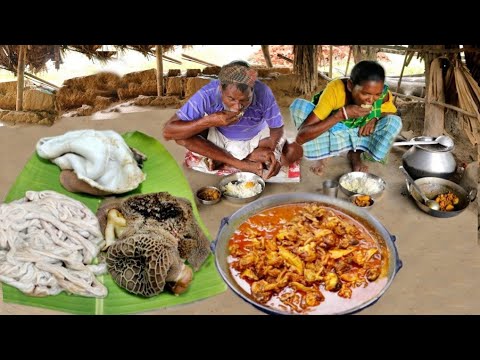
{"type": "Point", "coordinates": [80, 91]}
{"type": "Point", "coordinates": [138, 77]}
{"type": "Point", "coordinates": [305, 66]}
{"type": "Point", "coordinates": [133, 90]}
{"type": "Point", "coordinates": [434, 114]}
{"type": "Point", "coordinates": [469, 100]}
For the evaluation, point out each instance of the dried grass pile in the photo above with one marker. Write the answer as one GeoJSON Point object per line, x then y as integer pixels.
{"type": "Point", "coordinates": [8, 95]}
{"type": "Point", "coordinates": [174, 86]}
{"type": "Point", "coordinates": [192, 85]}
{"type": "Point", "coordinates": [80, 91]}
{"type": "Point", "coordinates": [211, 70]}
{"type": "Point", "coordinates": [138, 83]}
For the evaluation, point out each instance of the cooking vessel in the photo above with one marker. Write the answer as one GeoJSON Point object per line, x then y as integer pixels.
{"type": "Point", "coordinates": [429, 160]}
{"type": "Point", "coordinates": [231, 223]}
{"type": "Point", "coordinates": [432, 187]}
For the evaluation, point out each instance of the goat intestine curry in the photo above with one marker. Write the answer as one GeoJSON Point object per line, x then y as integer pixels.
{"type": "Point", "coordinates": [290, 254]}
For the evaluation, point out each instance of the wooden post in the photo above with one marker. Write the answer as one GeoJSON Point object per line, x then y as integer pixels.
{"type": "Point", "coordinates": [348, 59]}
{"type": "Point", "coordinates": [22, 51]}
{"type": "Point", "coordinates": [401, 75]}
{"type": "Point", "coordinates": [434, 121]}
{"type": "Point", "coordinates": [434, 124]}
{"type": "Point", "coordinates": [320, 55]}
{"type": "Point", "coordinates": [158, 53]}
{"type": "Point", "coordinates": [266, 55]}
{"type": "Point", "coordinates": [330, 70]}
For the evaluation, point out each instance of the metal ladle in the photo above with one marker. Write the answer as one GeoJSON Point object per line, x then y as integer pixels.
{"type": "Point", "coordinates": [430, 203]}
{"type": "Point", "coordinates": [443, 140]}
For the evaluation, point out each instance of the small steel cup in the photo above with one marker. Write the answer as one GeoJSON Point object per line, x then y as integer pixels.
{"type": "Point", "coordinates": [330, 188]}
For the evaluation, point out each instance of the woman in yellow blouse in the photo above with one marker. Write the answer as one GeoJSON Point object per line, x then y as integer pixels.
{"type": "Point", "coordinates": [353, 114]}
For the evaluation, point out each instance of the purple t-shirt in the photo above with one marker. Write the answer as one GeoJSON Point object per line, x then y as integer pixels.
{"type": "Point", "coordinates": [262, 112]}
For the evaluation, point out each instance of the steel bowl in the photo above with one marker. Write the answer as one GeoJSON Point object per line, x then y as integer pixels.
{"type": "Point", "coordinates": [353, 197]}
{"type": "Point", "coordinates": [432, 187]}
{"type": "Point", "coordinates": [241, 177]}
{"type": "Point", "coordinates": [362, 177]}
{"type": "Point", "coordinates": [230, 224]}
{"type": "Point", "coordinates": [208, 202]}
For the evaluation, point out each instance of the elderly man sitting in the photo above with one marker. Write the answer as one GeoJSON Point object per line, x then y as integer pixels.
{"type": "Point", "coordinates": [236, 121]}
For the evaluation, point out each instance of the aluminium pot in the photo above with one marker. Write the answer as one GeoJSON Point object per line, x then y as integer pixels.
{"type": "Point", "coordinates": [429, 160]}
{"type": "Point", "coordinates": [432, 187]}
{"type": "Point", "coordinates": [229, 225]}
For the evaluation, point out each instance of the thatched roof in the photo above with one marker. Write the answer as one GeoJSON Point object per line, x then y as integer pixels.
{"type": "Point", "coordinates": [146, 49]}
{"type": "Point", "coordinates": [38, 55]}
{"type": "Point", "coordinates": [36, 58]}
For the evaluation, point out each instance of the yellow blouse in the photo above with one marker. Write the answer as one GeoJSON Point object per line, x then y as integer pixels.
{"type": "Point", "coordinates": [334, 97]}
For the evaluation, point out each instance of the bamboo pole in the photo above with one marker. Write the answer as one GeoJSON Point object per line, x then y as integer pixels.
{"type": "Point", "coordinates": [330, 70]}
{"type": "Point", "coordinates": [457, 109]}
{"type": "Point", "coordinates": [20, 76]}
{"type": "Point", "coordinates": [448, 106]}
{"type": "Point", "coordinates": [158, 53]}
{"type": "Point", "coordinates": [348, 59]}
{"type": "Point", "coordinates": [432, 51]}
{"type": "Point", "coordinates": [191, 58]}
{"type": "Point", "coordinates": [285, 58]}
{"type": "Point", "coordinates": [409, 96]}
{"type": "Point", "coordinates": [41, 80]}
{"type": "Point", "coordinates": [266, 55]}
{"type": "Point", "coordinates": [401, 75]}
{"type": "Point", "coordinates": [172, 60]}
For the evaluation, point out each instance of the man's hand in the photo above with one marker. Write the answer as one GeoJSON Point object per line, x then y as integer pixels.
{"type": "Point", "coordinates": [355, 111]}
{"type": "Point", "coordinates": [273, 169]}
{"type": "Point", "coordinates": [368, 128]}
{"type": "Point", "coordinates": [251, 166]}
{"type": "Point", "coordinates": [268, 160]}
{"type": "Point", "coordinates": [225, 118]}
{"type": "Point", "coordinates": [262, 154]}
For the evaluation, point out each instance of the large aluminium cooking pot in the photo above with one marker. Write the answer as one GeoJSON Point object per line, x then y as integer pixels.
{"type": "Point", "coordinates": [432, 187]}
{"type": "Point", "coordinates": [429, 160]}
{"type": "Point", "coordinates": [230, 224]}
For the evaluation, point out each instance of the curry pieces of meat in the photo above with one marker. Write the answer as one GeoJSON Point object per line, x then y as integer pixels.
{"type": "Point", "coordinates": [447, 201]}
{"type": "Point", "coordinates": [292, 259]}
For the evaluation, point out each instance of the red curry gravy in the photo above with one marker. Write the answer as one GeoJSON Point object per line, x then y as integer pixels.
{"type": "Point", "coordinates": [270, 221]}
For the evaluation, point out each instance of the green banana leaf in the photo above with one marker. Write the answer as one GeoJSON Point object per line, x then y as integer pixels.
{"type": "Point", "coordinates": [163, 174]}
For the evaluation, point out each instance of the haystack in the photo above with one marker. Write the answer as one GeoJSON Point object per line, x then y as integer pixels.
{"type": "Point", "coordinates": [138, 83]}
{"type": "Point", "coordinates": [192, 85]}
{"type": "Point", "coordinates": [211, 70]}
{"type": "Point", "coordinates": [33, 99]}
{"type": "Point", "coordinates": [193, 72]}
{"type": "Point", "coordinates": [163, 102]}
{"type": "Point", "coordinates": [174, 86]}
{"type": "Point", "coordinates": [174, 72]}
{"type": "Point", "coordinates": [139, 77]}
{"type": "Point", "coordinates": [78, 91]}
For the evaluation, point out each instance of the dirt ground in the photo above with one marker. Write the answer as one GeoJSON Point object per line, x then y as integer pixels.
{"type": "Point", "coordinates": [440, 256]}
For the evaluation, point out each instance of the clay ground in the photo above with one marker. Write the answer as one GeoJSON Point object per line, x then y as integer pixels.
{"type": "Point", "coordinates": [440, 256]}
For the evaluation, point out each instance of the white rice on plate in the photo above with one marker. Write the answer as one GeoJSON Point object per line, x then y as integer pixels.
{"type": "Point", "coordinates": [242, 189]}
{"type": "Point", "coordinates": [363, 186]}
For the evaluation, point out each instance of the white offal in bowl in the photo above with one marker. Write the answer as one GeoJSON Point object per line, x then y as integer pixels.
{"type": "Point", "coordinates": [242, 189]}
{"type": "Point", "coordinates": [363, 186]}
